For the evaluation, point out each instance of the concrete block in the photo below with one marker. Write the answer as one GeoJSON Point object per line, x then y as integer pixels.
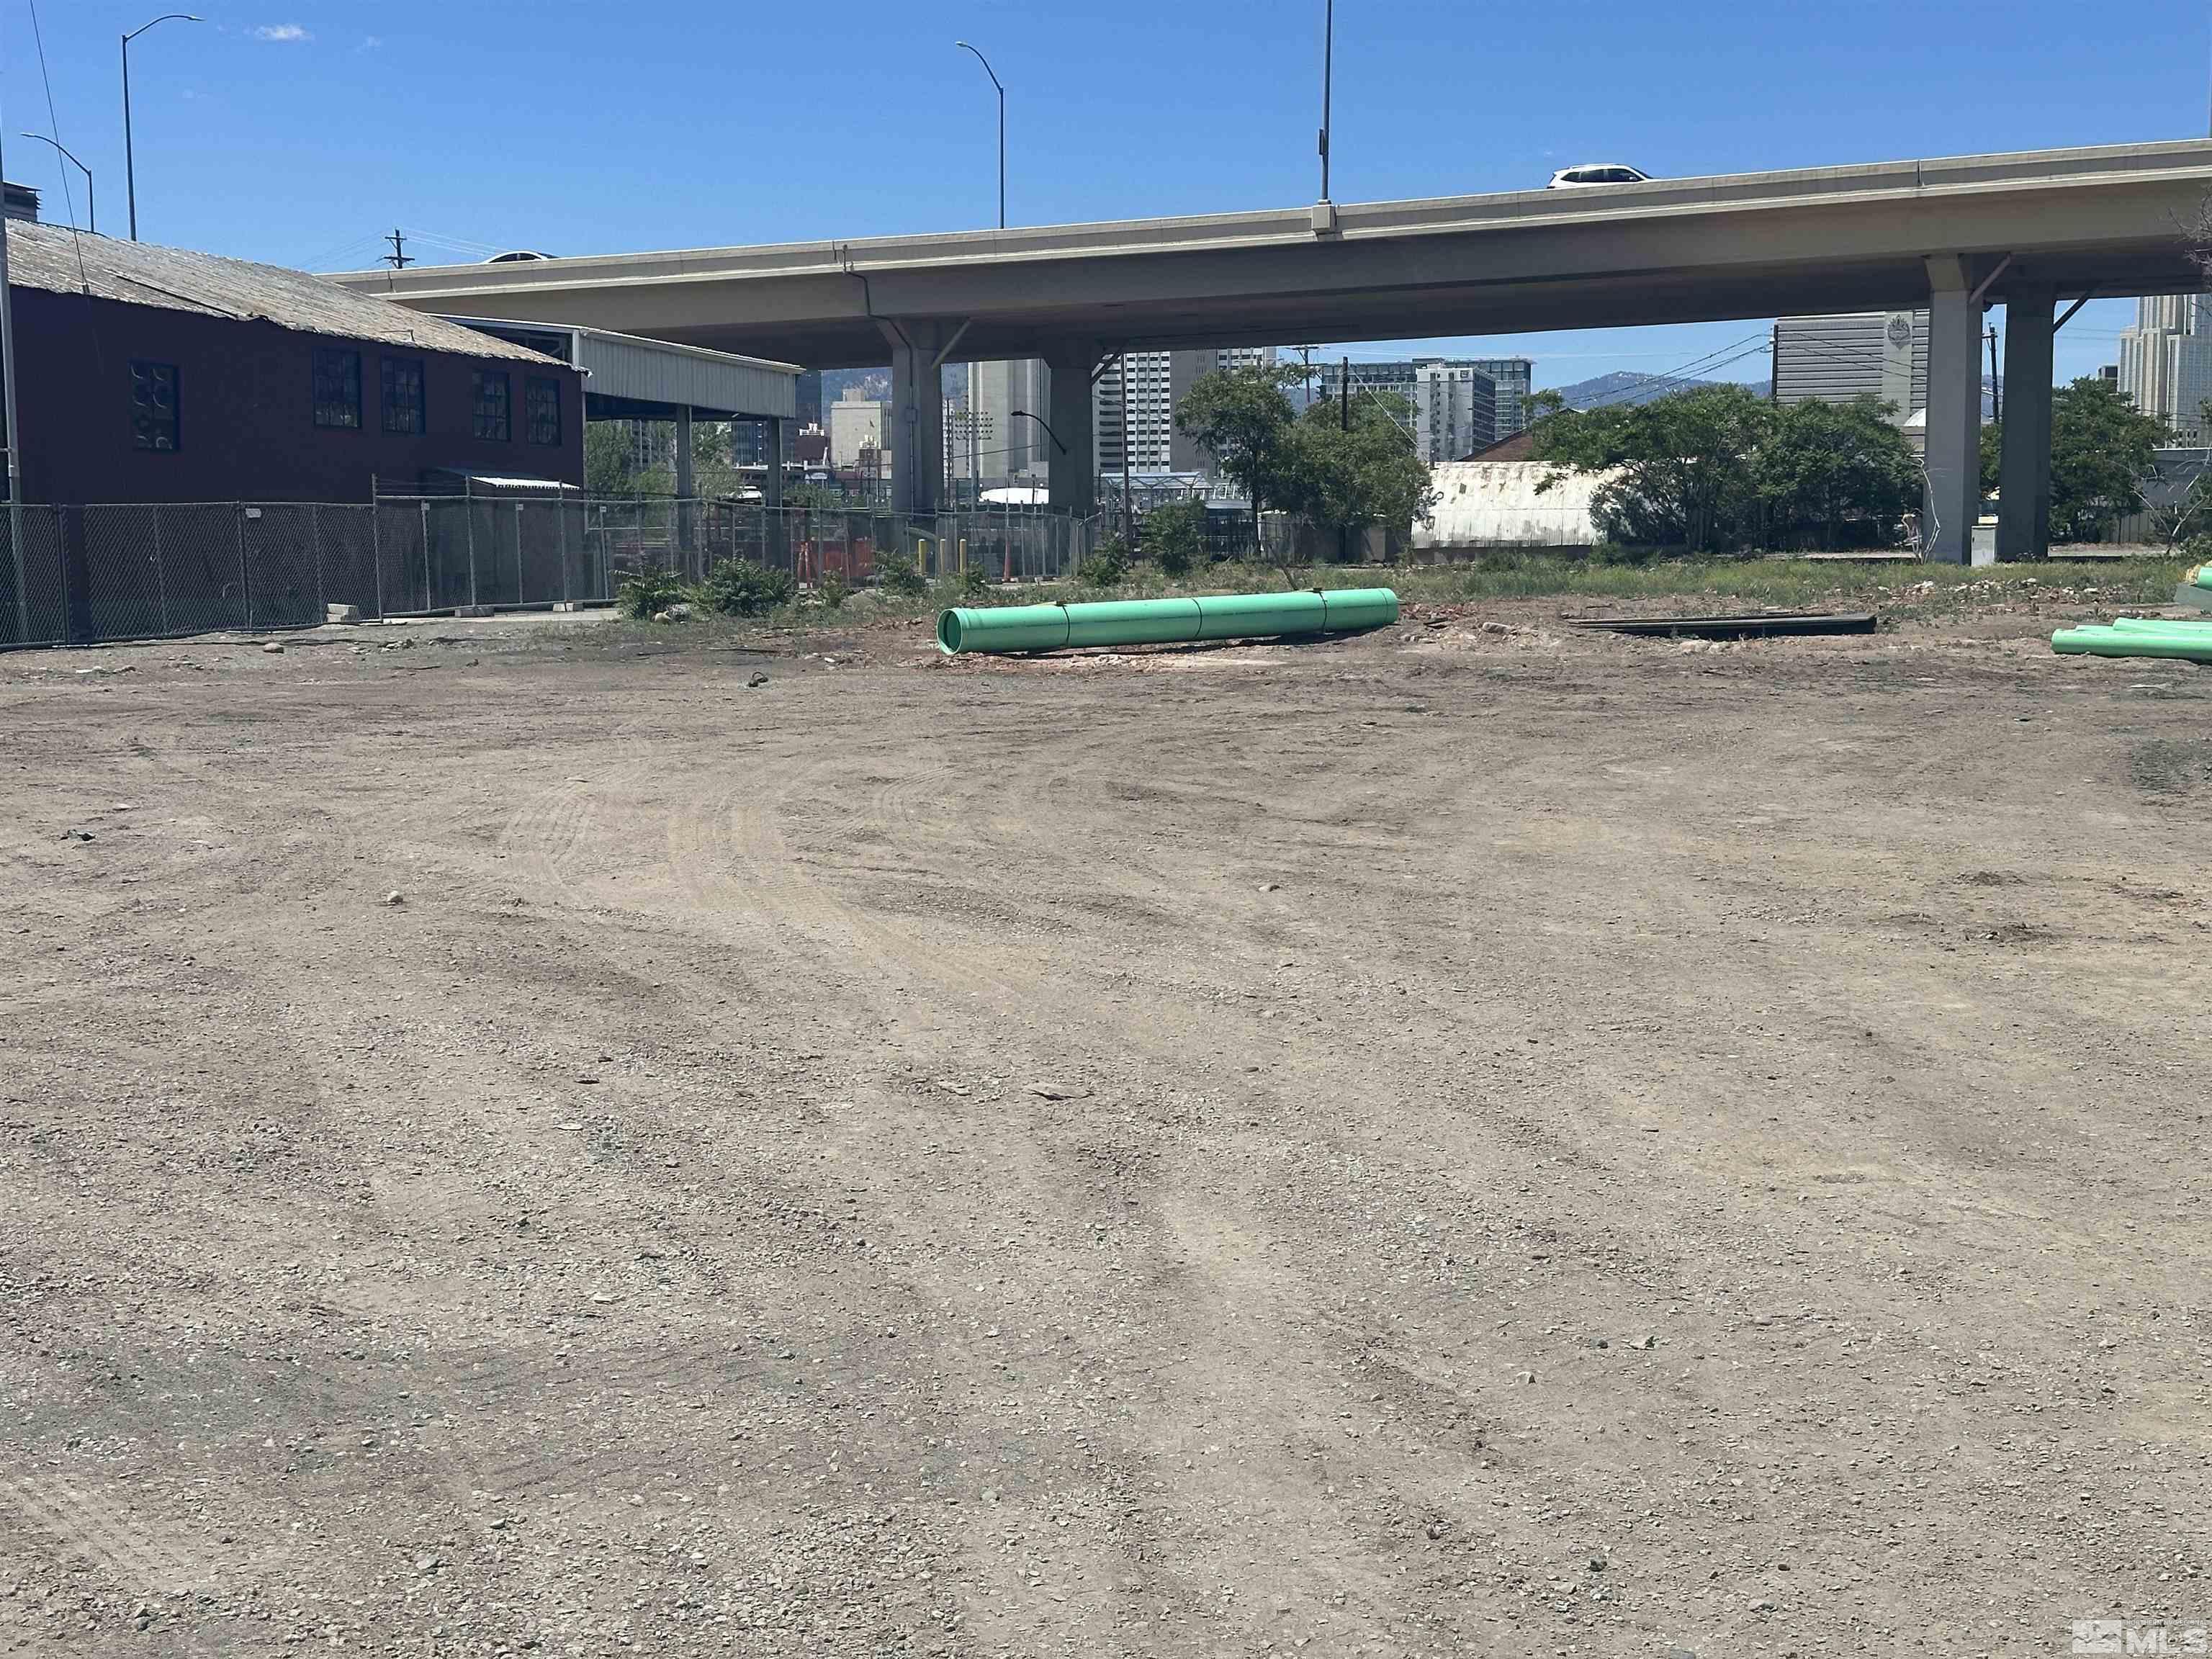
{"type": "Point", "coordinates": [472, 610]}
{"type": "Point", "coordinates": [346, 616]}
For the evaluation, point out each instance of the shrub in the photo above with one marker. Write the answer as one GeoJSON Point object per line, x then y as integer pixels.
{"type": "Point", "coordinates": [1106, 567]}
{"type": "Point", "coordinates": [973, 582]}
{"type": "Point", "coordinates": [1175, 534]}
{"type": "Point", "coordinates": [739, 587]}
{"type": "Point", "coordinates": [834, 591]}
{"type": "Point", "coordinates": [645, 594]}
{"type": "Point", "coordinates": [902, 576]}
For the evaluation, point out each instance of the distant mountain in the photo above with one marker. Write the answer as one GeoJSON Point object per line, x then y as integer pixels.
{"type": "Point", "coordinates": [1627, 386]}
{"type": "Point", "coordinates": [872, 384]}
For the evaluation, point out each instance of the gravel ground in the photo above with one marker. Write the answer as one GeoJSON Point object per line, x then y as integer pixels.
{"type": "Point", "coordinates": [1470, 1140]}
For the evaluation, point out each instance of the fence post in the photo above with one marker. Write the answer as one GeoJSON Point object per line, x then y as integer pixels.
{"type": "Point", "coordinates": [315, 529]}
{"type": "Point", "coordinates": [469, 525]}
{"type": "Point", "coordinates": [161, 573]}
{"type": "Point", "coordinates": [244, 589]}
{"type": "Point", "coordinates": [426, 556]}
{"type": "Point", "coordinates": [560, 510]}
{"type": "Point", "coordinates": [518, 552]}
{"type": "Point", "coordinates": [376, 554]}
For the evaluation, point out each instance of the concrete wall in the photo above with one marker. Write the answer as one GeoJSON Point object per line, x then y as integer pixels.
{"type": "Point", "coordinates": [1496, 504]}
{"type": "Point", "coordinates": [246, 409]}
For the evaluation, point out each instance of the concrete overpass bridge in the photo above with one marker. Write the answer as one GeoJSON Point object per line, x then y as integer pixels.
{"type": "Point", "coordinates": [1954, 235]}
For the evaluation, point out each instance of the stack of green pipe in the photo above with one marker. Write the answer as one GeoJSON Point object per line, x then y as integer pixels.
{"type": "Point", "coordinates": [1156, 622]}
{"type": "Point", "coordinates": [2188, 640]}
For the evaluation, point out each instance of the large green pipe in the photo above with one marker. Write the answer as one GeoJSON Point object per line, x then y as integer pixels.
{"type": "Point", "coordinates": [2200, 577]}
{"type": "Point", "coordinates": [2117, 643]}
{"type": "Point", "coordinates": [2188, 625]}
{"type": "Point", "coordinates": [1156, 622]}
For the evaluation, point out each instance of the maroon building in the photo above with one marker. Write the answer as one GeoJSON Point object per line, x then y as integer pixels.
{"type": "Point", "coordinates": [151, 374]}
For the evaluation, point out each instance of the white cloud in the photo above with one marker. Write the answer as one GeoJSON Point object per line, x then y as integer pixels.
{"type": "Point", "coordinates": [286, 31]}
{"type": "Point", "coordinates": [371, 42]}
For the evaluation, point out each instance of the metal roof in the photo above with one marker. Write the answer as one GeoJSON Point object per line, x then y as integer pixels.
{"type": "Point", "coordinates": [62, 261]}
{"type": "Point", "coordinates": [639, 370]}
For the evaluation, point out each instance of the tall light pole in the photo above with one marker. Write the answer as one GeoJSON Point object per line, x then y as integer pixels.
{"type": "Point", "coordinates": [129, 162]}
{"type": "Point", "coordinates": [91, 209]}
{"type": "Point", "coordinates": [1327, 86]}
{"type": "Point", "coordinates": [995, 82]}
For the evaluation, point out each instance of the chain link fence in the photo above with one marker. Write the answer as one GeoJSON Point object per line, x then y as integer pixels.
{"type": "Point", "coordinates": [80, 574]}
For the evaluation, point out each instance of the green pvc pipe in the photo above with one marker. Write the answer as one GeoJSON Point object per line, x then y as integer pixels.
{"type": "Point", "coordinates": [2195, 628]}
{"type": "Point", "coordinates": [1254, 616]}
{"type": "Point", "coordinates": [1132, 622]}
{"type": "Point", "coordinates": [2200, 577]}
{"type": "Point", "coordinates": [2116, 642]}
{"type": "Point", "coordinates": [1158, 621]}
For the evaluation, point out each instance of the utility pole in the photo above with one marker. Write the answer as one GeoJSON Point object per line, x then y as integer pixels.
{"type": "Point", "coordinates": [1997, 387]}
{"type": "Point", "coordinates": [1129, 520]}
{"type": "Point", "coordinates": [15, 441]}
{"type": "Point", "coordinates": [397, 258]}
{"type": "Point", "coordinates": [1344, 423]}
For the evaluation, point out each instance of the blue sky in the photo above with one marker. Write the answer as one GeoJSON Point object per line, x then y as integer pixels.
{"type": "Point", "coordinates": [298, 131]}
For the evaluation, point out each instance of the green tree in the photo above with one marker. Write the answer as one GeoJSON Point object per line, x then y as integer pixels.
{"type": "Point", "coordinates": [2102, 450]}
{"type": "Point", "coordinates": [1367, 472]}
{"type": "Point", "coordinates": [1175, 534]}
{"type": "Point", "coordinates": [1822, 465]}
{"type": "Point", "coordinates": [1687, 465]}
{"type": "Point", "coordinates": [1242, 418]}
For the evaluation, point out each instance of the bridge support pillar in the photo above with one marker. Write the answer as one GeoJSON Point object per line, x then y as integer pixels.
{"type": "Point", "coordinates": [916, 435]}
{"type": "Point", "coordinates": [2024, 475]}
{"type": "Point", "coordinates": [1953, 497]}
{"type": "Point", "coordinates": [1073, 461]}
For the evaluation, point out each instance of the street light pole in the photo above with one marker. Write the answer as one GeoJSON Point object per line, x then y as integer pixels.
{"type": "Point", "coordinates": [995, 82]}
{"type": "Point", "coordinates": [91, 209]}
{"type": "Point", "coordinates": [129, 162]}
{"type": "Point", "coordinates": [1327, 87]}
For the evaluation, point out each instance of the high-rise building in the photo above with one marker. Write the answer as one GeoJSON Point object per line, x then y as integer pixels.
{"type": "Point", "coordinates": [856, 422]}
{"type": "Point", "coordinates": [1455, 411]}
{"type": "Point", "coordinates": [1510, 376]}
{"type": "Point", "coordinates": [1455, 406]}
{"type": "Point", "coordinates": [2166, 362]}
{"type": "Point", "coordinates": [1135, 419]}
{"type": "Point", "coordinates": [999, 393]}
{"type": "Point", "coordinates": [1866, 354]}
{"type": "Point", "coordinates": [970, 443]}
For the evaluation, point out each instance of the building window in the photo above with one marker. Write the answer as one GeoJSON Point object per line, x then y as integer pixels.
{"type": "Point", "coordinates": [403, 410]}
{"type": "Point", "coordinates": [153, 406]}
{"type": "Point", "coordinates": [337, 387]}
{"type": "Point", "coordinates": [491, 416]}
{"type": "Point", "coordinates": [541, 410]}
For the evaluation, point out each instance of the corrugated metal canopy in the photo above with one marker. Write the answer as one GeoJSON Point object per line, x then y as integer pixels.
{"type": "Point", "coordinates": [642, 371]}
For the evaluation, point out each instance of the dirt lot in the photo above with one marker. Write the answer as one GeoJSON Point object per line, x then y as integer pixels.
{"type": "Point", "coordinates": [1462, 1141]}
